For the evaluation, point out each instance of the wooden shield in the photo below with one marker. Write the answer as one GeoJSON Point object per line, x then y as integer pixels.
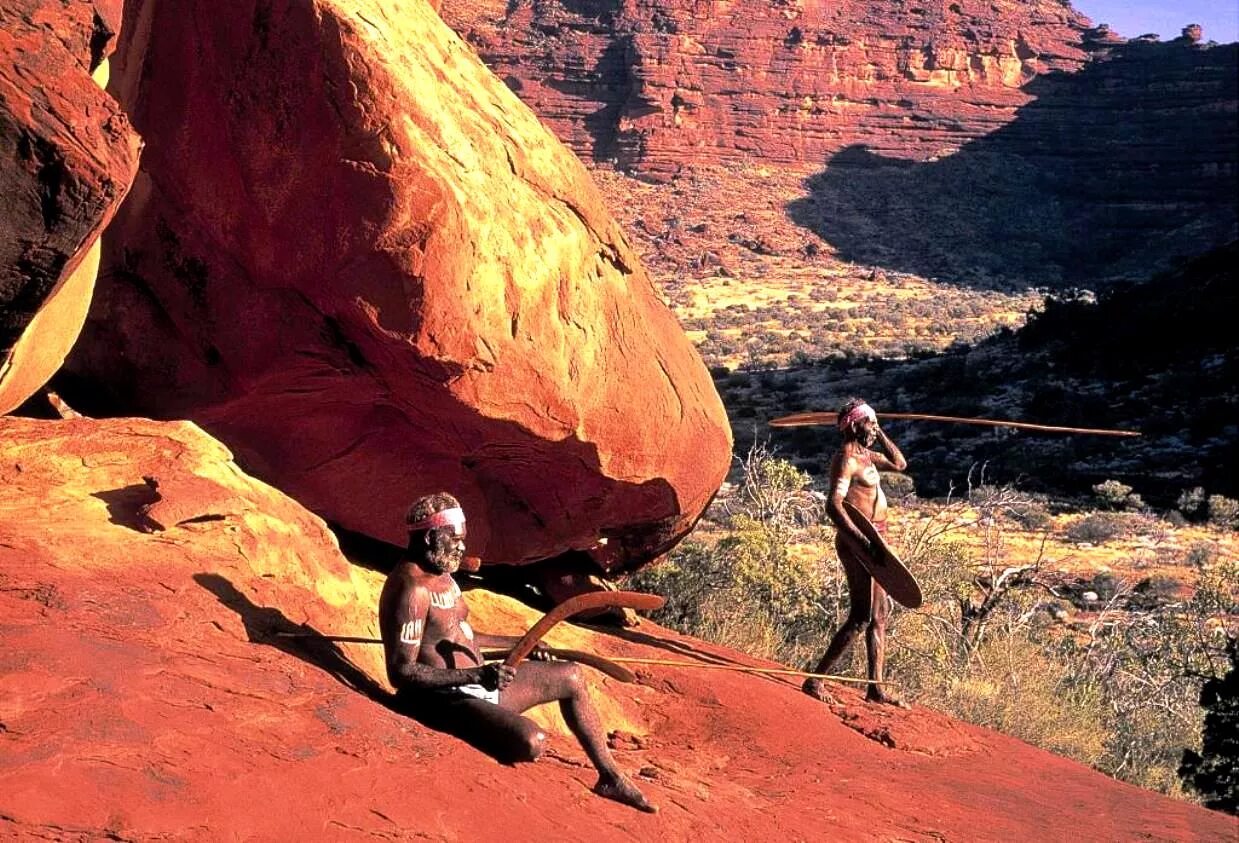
{"type": "Point", "coordinates": [886, 567]}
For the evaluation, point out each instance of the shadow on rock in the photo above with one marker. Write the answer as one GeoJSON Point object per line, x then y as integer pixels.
{"type": "Point", "coordinates": [268, 625]}
{"type": "Point", "coordinates": [127, 506]}
{"type": "Point", "coordinates": [1112, 171]}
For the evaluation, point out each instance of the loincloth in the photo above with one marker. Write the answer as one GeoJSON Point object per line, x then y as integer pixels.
{"type": "Point", "coordinates": [474, 690]}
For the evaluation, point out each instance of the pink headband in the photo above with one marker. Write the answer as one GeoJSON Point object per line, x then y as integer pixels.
{"type": "Point", "coordinates": [860, 411]}
{"type": "Point", "coordinates": [454, 517]}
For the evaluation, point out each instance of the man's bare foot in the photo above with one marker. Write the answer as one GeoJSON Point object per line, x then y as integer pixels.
{"type": "Point", "coordinates": [816, 688]}
{"type": "Point", "coordinates": [875, 695]}
{"type": "Point", "coordinates": [619, 788]}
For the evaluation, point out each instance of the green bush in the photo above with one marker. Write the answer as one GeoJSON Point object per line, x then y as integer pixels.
{"type": "Point", "coordinates": [746, 591]}
{"type": "Point", "coordinates": [1223, 512]}
{"type": "Point", "coordinates": [1191, 502]}
{"type": "Point", "coordinates": [1113, 495]}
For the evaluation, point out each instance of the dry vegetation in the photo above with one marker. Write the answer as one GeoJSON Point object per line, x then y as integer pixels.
{"type": "Point", "coordinates": [754, 289]}
{"type": "Point", "coordinates": [1084, 625]}
{"type": "Point", "coordinates": [1096, 650]}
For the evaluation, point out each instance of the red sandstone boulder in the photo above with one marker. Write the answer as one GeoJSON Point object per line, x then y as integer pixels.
{"type": "Point", "coordinates": [69, 157]}
{"type": "Point", "coordinates": [355, 257]}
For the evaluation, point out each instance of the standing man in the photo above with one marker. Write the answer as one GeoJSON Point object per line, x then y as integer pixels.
{"type": "Point", "coordinates": [854, 477]}
{"type": "Point", "coordinates": [434, 664]}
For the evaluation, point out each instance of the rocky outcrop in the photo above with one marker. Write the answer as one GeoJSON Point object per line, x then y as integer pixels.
{"type": "Point", "coordinates": [656, 85]}
{"type": "Point", "coordinates": [183, 683]}
{"type": "Point", "coordinates": [69, 157]}
{"type": "Point", "coordinates": [355, 257]}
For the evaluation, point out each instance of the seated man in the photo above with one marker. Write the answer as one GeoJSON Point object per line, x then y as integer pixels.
{"type": "Point", "coordinates": [434, 664]}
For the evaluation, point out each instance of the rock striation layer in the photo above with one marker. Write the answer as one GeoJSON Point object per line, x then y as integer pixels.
{"type": "Point", "coordinates": [355, 257]}
{"type": "Point", "coordinates": [655, 85]}
{"type": "Point", "coordinates": [69, 155]}
{"type": "Point", "coordinates": [958, 139]}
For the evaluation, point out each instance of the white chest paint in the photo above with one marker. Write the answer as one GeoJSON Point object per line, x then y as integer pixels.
{"type": "Point", "coordinates": [445, 599]}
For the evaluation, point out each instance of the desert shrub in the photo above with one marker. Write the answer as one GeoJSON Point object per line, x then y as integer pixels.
{"type": "Point", "coordinates": [747, 591]}
{"type": "Point", "coordinates": [1214, 771]}
{"type": "Point", "coordinates": [898, 486]}
{"type": "Point", "coordinates": [1031, 515]}
{"type": "Point", "coordinates": [1115, 495]}
{"type": "Point", "coordinates": [1098, 528]}
{"type": "Point", "coordinates": [1105, 585]}
{"type": "Point", "coordinates": [1223, 512]}
{"type": "Point", "coordinates": [1191, 502]}
{"type": "Point", "coordinates": [775, 491]}
{"type": "Point", "coordinates": [1200, 554]}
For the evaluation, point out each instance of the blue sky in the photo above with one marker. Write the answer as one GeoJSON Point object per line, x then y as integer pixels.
{"type": "Point", "coordinates": [1129, 18]}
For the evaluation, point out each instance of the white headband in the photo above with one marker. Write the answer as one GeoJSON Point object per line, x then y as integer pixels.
{"type": "Point", "coordinates": [860, 411]}
{"type": "Point", "coordinates": [454, 517]}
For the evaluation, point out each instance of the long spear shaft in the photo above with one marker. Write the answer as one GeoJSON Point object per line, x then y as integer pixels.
{"type": "Point", "coordinates": [356, 639]}
{"type": "Point", "coordinates": [745, 669]}
{"type": "Point", "coordinates": [806, 419]}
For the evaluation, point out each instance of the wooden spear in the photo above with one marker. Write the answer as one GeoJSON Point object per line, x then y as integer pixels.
{"type": "Point", "coordinates": [600, 662]}
{"type": "Point", "coordinates": [807, 419]}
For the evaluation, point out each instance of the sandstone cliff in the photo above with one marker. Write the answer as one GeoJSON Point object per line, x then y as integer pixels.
{"type": "Point", "coordinates": [656, 85]}
{"type": "Point", "coordinates": [1006, 143]}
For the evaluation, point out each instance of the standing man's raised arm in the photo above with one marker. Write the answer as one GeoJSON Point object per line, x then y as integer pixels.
{"type": "Point", "coordinates": [896, 462]}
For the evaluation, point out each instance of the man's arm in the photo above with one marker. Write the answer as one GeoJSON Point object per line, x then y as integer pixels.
{"type": "Point", "coordinates": [896, 462]}
{"type": "Point", "coordinates": [403, 607]}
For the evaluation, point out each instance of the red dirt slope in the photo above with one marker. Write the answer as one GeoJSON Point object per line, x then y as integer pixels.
{"type": "Point", "coordinates": [143, 694]}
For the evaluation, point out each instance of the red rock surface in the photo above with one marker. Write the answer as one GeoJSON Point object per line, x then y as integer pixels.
{"type": "Point", "coordinates": [69, 157]}
{"type": "Point", "coordinates": [144, 694]}
{"type": "Point", "coordinates": [359, 260]}
{"type": "Point", "coordinates": [657, 85]}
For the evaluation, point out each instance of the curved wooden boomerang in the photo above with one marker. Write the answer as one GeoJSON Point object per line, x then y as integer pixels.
{"type": "Point", "coordinates": [576, 605]}
{"type": "Point", "coordinates": [599, 663]}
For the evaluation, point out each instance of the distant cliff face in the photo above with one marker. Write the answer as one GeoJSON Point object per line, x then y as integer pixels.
{"type": "Point", "coordinates": [946, 137]}
{"type": "Point", "coordinates": [652, 84]}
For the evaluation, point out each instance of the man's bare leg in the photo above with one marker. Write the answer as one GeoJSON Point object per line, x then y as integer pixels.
{"type": "Point", "coordinates": [860, 591]}
{"type": "Point", "coordinates": [876, 641]}
{"type": "Point", "coordinates": [542, 682]}
{"type": "Point", "coordinates": [506, 735]}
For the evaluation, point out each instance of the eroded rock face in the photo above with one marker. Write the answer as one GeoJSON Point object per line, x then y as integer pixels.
{"type": "Point", "coordinates": [69, 157]}
{"type": "Point", "coordinates": [654, 85]}
{"type": "Point", "coordinates": [360, 261]}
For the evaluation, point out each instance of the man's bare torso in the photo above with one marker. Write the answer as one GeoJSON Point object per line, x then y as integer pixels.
{"type": "Point", "coordinates": [444, 632]}
{"type": "Point", "coordinates": [864, 482]}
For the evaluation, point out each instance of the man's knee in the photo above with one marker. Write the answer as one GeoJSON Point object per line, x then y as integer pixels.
{"type": "Point", "coordinates": [571, 679]}
{"type": "Point", "coordinates": [534, 744]}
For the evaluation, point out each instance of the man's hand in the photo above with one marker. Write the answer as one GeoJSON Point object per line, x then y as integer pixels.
{"type": "Point", "coordinates": [540, 653]}
{"type": "Point", "coordinates": [496, 676]}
